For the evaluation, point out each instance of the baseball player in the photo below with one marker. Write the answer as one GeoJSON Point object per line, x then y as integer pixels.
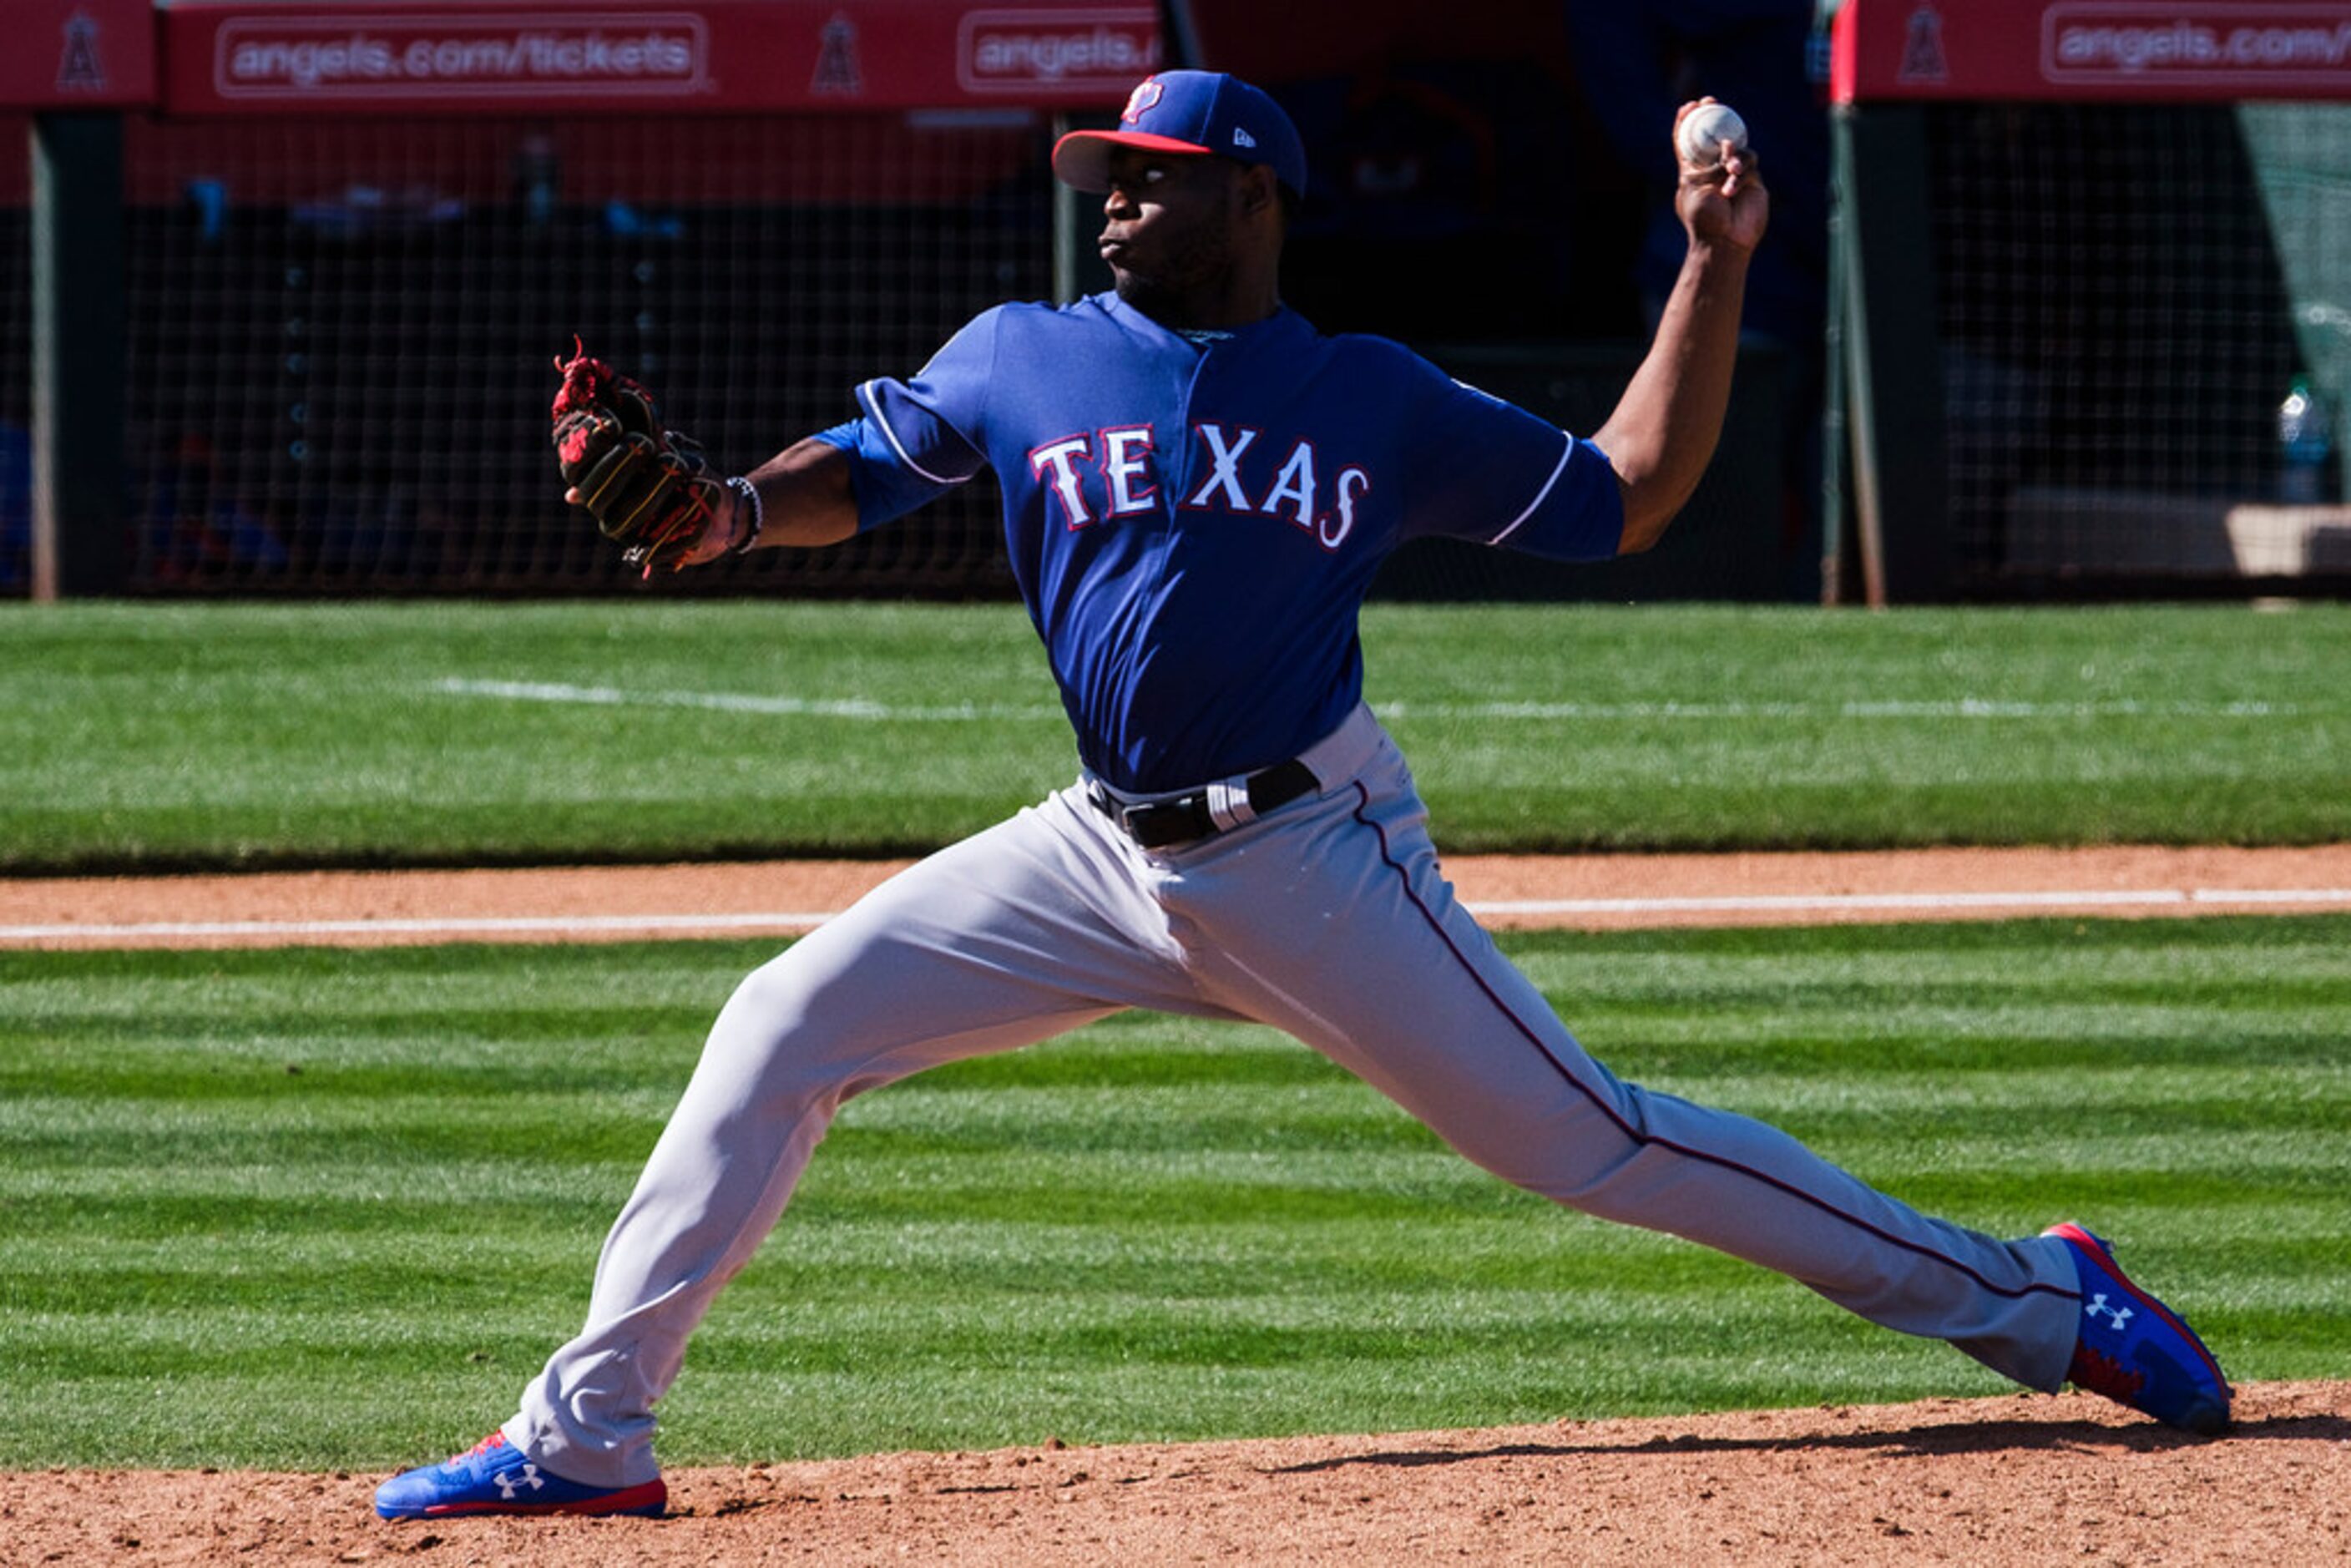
{"type": "Point", "coordinates": [1197, 490]}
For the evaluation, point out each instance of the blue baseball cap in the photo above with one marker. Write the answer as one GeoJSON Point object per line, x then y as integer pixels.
{"type": "Point", "coordinates": [1189, 112]}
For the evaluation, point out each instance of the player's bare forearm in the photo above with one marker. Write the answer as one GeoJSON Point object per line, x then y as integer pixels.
{"type": "Point", "coordinates": [1662, 432]}
{"type": "Point", "coordinates": [804, 498]}
{"type": "Point", "coordinates": [805, 494]}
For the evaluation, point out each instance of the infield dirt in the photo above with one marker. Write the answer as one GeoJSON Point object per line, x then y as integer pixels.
{"type": "Point", "coordinates": [1996, 1482]}
{"type": "Point", "coordinates": [1589, 892]}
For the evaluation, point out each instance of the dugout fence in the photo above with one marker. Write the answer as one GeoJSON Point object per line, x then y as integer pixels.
{"type": "Point", "coordinates": [339, 362]}
{"type": "Point", "coordinates": [2086, 250]}
{"type": "Point", "coordinates": [353, 243]}
{"type": "Point", "coordinates": [15, 378]}
{"type": "Point", "coordinates": [349, 242]}
{"type": "Point", "coordinates": [338, 319]}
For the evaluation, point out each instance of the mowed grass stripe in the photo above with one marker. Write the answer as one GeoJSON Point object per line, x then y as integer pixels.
{"type": "Point", "coordinates": [1154, 1229]}
{"type": "Point", "coordinates": [178, 736]}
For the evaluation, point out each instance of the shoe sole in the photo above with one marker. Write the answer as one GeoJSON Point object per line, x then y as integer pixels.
{"type": "Point", "coordinates": [650, 1501]}
{"type": "Point", "coordinates": [2205, 1419]}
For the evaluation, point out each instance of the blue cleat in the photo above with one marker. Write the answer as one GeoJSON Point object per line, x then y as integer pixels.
{"type": "Point", "coordinates": [2138, 1352]}
{"type": "Point", "coordinates": [495, 1477]}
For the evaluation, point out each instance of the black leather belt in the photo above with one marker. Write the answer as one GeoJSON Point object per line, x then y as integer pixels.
{"type": "Point", "coordinates": [1156, 824]}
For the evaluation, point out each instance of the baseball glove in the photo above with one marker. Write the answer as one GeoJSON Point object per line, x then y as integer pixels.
{"type": "Point", "coordinates": [648, 487]}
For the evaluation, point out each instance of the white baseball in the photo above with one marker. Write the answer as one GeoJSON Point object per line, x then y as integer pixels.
{"type": "Point", "coordinates": [1704, 131]}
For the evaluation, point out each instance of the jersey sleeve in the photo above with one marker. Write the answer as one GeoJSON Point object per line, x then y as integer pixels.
{"type": "Point", "coordinates": [915, 440]}
{"type": "Point", "coordinates": [1489, 471]}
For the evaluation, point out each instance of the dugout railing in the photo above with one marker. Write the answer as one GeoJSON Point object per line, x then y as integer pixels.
{"type": "Point", "coordinates": [2084, 252]}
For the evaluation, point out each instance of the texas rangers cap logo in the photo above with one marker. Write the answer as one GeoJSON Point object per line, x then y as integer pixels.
{"type": "Point", "coordinates": [1148, 93]}
{"type": "Point", "coordinates": [1189, 112]}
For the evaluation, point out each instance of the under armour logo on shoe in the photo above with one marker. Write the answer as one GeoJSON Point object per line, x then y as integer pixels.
{"type": "Point", "coordinates": [2096, 1305]}
{"type": "Point", "coordinates": [509, 1480]}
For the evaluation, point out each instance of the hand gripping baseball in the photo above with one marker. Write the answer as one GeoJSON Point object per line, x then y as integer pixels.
{"type": "Point", "coordinates": [648, 487]}
{"type": "Point", "coordinates": [1722, 198]}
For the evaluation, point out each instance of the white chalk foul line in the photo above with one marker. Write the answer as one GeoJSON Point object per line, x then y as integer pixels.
{"type": "Point", "coordinates": [807, 920]}
{"type": "Point", "coordinates": [1774, 902]}
{"type": "Point", "coordinates": [1956, 707]}
{"type": "Point", "coordinates": [866, 709]}
{"type": "Point", "coordinates": [1828, 902]}
{"type": "Point", "coordinates": [2270, 895]}
{"type": "Point", "coordinates": [737, 702]}
{"type": "Point", "coordinates": [554, 925]}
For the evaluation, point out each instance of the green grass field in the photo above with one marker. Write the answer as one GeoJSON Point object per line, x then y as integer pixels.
{"type": "Point", "coordinates": [323, 1209]}
{"type": "Point", "coordinates": [320, 1209]}
{"type": "Point", "coordinates": [182, 737]}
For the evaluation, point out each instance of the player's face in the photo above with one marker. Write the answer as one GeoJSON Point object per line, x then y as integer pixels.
{"type": "Point", "coordinates": [1169, 224]}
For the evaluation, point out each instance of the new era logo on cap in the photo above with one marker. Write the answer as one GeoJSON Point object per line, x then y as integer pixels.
{"type": "Point", "coordinates": [1189, 112]}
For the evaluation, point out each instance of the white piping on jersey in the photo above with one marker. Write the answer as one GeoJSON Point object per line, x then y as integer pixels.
{"type": "Point", "coordinates": [1538, 501]}
{"type": "Point", "coordinates": [874, 412]}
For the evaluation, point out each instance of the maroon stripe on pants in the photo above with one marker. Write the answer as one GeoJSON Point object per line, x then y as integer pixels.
{"type": "Point", "coordinates": [1600, 1101]}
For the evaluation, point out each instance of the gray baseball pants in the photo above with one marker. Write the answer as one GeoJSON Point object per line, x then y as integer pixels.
{"type": "Point", "coordinates": [1327, 918]}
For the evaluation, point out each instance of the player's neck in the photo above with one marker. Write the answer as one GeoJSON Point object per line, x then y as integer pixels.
{"type": "Point", "coordinates": [1236, 303]}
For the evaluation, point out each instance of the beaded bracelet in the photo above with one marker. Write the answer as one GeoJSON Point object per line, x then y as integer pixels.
{"type": "Point", "coordinates": [749, 493]}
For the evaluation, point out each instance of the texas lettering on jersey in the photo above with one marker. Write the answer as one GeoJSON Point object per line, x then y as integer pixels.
{"type": "Point", "coordinates": [1114, 472]}
{"type": "Point", "coordinates": [1162, 495]}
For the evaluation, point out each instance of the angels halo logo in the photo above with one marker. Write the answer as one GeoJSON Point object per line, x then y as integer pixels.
{"type": "Point", "coordinates": [1147, 94]}
{"type": "Point", "coordinates": [78, 66]}
{"type": "Point", "coordinates": [1922, 47]}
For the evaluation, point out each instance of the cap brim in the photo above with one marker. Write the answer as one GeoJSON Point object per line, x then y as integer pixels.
{"type": "Point", "coordinates": [1081, 159]}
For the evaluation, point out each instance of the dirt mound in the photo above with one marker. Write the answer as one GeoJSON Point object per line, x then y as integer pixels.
{"type": "Point", "coordinates": [2025, 1479]}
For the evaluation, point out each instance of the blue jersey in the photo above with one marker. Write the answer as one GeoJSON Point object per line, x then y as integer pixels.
{"type": "Point", "coordinates": [1194, 524]}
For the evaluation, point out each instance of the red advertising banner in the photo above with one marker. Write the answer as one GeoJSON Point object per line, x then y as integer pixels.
{"type": "Point", "coordinates": [2092, 50]}
{"type": "Point", "coordinates": [715, 55]}
{"type": "Point", "coordinates": [64, 54]}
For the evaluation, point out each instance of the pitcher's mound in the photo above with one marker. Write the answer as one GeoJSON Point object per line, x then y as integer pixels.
{"type": "Point", "coordinates": [2017, 1480]}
